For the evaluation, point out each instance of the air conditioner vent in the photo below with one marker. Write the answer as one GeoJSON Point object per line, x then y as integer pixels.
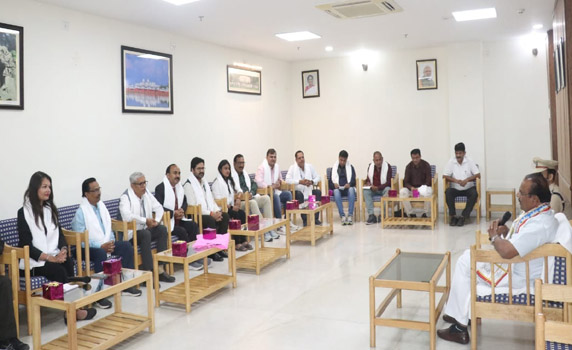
{"type": "Point", "coordinates": [363, 8]}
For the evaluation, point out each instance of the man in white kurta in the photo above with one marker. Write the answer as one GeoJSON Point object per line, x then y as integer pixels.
{"type": "Point", "coordinates": [304, 176]}
{"type": "Point", "coordinates": [533, 228]}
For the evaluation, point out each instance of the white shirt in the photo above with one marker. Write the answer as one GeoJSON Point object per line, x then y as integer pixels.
{"type": "Point", "coordinates": [295, 174]}
{"type": "Point", "coordinates": [192, 197]}
{"type": "Point", "coordinates": [133, 210]}
{"type": "Point", "coordinates": [461, 171]}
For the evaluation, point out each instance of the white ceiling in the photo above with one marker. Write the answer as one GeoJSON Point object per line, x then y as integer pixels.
{"type": "Point", "coordinates": [250, 25]}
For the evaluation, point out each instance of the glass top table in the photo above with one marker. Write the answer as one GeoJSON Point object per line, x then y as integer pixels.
{"type": "Point", "coordinates": [101, 281]}
{"type": "Point", "coordinates": [414, 267]}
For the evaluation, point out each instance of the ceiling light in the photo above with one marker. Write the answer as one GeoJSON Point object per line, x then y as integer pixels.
{"type": "Point", "coordinates": [537, 26]}
{"type": "Point", "coordinates": [471, 15]}
{"type": "Point", "coordinates": [180, 2]}
{"type": "Point", "coordinates": [329, 48]}
{"type": "Point", "coordinates": [298, 36]}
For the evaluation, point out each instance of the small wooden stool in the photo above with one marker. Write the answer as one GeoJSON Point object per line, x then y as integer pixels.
{"type": "Point", "coordinates": [500, 207]}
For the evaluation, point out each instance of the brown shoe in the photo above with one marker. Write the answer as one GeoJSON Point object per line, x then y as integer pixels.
{"type": "Point", "coordinates": [454, 333]}
{"type": "Point", "coordinates": [452, 320]}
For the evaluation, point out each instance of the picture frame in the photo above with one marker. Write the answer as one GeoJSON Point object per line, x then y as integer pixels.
{"type": "Point", "coordinates": [11, 66]}
{"type": "Point", "coordinates": [562, 63]}
{"type": "Point", "coordinates": [558, 68]}
{"type": "Point", "coordinates": [311, 83]}
{"type": "Point", "coordinates": [243, 80]}
{"type": "Point", "coordinates": [146, 81]}
{"type": "Point", "coordinates": [427, 74]}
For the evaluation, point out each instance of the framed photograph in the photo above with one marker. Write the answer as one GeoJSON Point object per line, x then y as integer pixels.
{"type": "Point", "coordinates": [243, 80]}
{"type": "Point", "coordinates": [562, 64]}
{"type": "Point", "coordinates": [11, 66]}
{"type": "Point", "coordinates": [426, 74]}
{"type": "Point", "coordinates": [147, 81]}
{"type": "Point", "coordinates": [557, 68]}
{"type": "Point", "coordinates": [311, 83]}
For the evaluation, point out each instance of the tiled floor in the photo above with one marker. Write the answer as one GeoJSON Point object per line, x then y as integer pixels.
{"type": "Point", "coordinates": [318, 299]}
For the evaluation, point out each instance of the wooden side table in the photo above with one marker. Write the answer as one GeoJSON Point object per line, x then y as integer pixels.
{"type": "Point", "coordinates": [312, 232]}
{"type": "Point", "coordinates": [500, 207]}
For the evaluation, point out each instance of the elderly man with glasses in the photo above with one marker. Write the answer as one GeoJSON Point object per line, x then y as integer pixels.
{"type": "Point", "coordinates": [136, 203]}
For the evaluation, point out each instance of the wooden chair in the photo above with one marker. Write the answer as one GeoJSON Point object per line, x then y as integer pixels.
{"type": "Point", "coordinates": [222, 204]}
{"type": "Point", "coordinates": [434, 186]}
{"type": "Point", "coordinates": [377, 199]}
{"type": "Point", "coordinates": [357, 207]}
{"type": "Point", "coordinates": [194, 212]}
{"type": "Point", "coordinates": [551, 334]}
{"type": "Point", "coordinates": [461, 201]}
{"type": "Point", "coordinates": [9, 263]}
{"type": "Point", "coordinates": [508, 306]}
{"type": "Point", "coordinates": [74, 241]}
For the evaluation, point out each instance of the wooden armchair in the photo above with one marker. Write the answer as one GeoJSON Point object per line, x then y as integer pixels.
{"type": "Point", "coordinates": [461, 202]}
{"type": "Point", "coordinates": [9, 263]}
{"type": "Point", "coordinates": [222, 204]}
{"type": "Point", "coordinates": [377, 199]}
{"type": "Point", "coordinates": [357, 209]}
{"type": "Point", "coordinates": [552, 334]}
{"type": "Point", "coordinates": [510, 306]}
{"type": "Point", "coordinates": [194, 212]}
{"type": "Point", "coordinates": [434, 187]}
{"type": "Point", "coordinates": [74, 240]}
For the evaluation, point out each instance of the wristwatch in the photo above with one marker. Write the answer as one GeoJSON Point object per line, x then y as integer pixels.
{"type": "Point", "coordinates": [494, 238]}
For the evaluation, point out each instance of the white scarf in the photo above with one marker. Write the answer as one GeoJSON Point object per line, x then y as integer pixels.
{"type": "Point", "coordinates": [135, 203]}
{"type": "Point", "coordinates": [169, 200]}
{"type": "Point", "coordinates": [45, 242]}
{"type": "Point", "coordinates": [336, 177]}
{"type": "Point", "coordinates": [220, 186]}
{"type": "Point", "coordinates": [267, 180]}
{"type": "Point", "coordinates": [237, 180]}
{"type": "Point", "coordinates": [383, 177]}
{"type": "Point", "coordinates": [96, 233]}
{"type": "Point", "coordinates": [203, 194]}
{"type": "Point", "coordinates": [299, 174]}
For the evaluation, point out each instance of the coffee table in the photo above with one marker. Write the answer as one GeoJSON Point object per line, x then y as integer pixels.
{"type": "Point", "coordinates": [198, 287]}
{"type": "Point", "coordinates": [387, 218]}
{"type": "Point", "coordinates": [410, 271]}
{"type": "Point", "coordinates": [311, 232]}
{"type": "Point", "coordinates": [262, 256]}
{"type": "Point", "coordinates": [104, 332]}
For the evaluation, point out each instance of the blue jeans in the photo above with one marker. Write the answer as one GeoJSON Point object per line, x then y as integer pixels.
{"type": "Point", "coordinates": [123, 249]}
{"type": "Point", "coordinates": [368, 197]}
{"type": "Point", "coordinates": [351, 194]}
{"type": "Point", "coordinates": [280, 201]}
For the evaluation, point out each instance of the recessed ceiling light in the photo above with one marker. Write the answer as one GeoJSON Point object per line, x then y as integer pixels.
{"type": "Point", "coordinates": [298, 36]}
{"type": "Point", "coordinates": [180, 2]}
{"type": "Point", "coordinates": [329, 48]}
{"type": "Point", "coordinates": [472, 15]}
{"type": "Point", "coordinates": [537, 26]}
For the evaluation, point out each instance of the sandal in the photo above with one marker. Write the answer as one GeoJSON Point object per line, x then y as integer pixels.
{"type": "Point", "coordinates": [247, 245]}
{"type": "Point", "coordinates": [241, 248]}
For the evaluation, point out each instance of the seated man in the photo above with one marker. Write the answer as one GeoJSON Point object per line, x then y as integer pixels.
{"type": "Point", "coordinates": [136, 203]}
{"type": "Point", "coordinates": [198, 191]}
{"type": "Point", "coordinates": [531, 229]}
{"type": "Point", "coordinates": [8, 332]}
{"type": "Point", "coordinates": [547, 167]}
{"type": "Point", "coordinates": [92, 215]}
{"type": "Point", "coordinates": [343, 181]}
{"type": "Point", "coordinates": [378, 182]}
{"type": "Point", "coordinates": [304, 176]}
{"type": "Point", "coordinates": [417, 174]}
{"type": "Point", "coordinates": [461, 171]}
{"type": "Point", "coordinates": [175, 202]}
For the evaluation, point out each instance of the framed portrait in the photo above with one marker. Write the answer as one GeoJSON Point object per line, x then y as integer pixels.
{"type": "Point", "coordinates": [426, 74]}
{"type": "Point", "coordinates": [311, 83]}
{"type": "Point", "coordinates": [11, 66]}
{"type": "Point", "coordinates": [557, 68]}
{"type": "Point", "coordinates": [243, 80]}
{"type": "Point", "coordinates": [147, 81]}
{"type": "Point", "coordinates": [562, 64]}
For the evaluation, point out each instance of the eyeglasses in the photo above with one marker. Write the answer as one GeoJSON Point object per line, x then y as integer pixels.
{"type": "Point", "coordinates": [144, 183]}
{"type": "Point", "coordinates": [95, 190]}
{"type": "Point", "coordinates": [524, 194]}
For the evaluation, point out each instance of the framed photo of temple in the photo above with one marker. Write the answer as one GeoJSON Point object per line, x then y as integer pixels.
{"type": "Point", "coordinates": [243, 80]}
{"type": "Point", "coordinates": [426, 74]}
{"type": "Point", "coordinates": [311, 83]}
{"type": "Point", "coordinates": [146, 81]}
{"type": "Point", "coordinates": [11, 66]}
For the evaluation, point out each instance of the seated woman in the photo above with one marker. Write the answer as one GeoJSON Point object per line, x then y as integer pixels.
{"type": "Point", "coordinates": [224, 188]}
{"type": "Point", "coordinates": [38, 228]}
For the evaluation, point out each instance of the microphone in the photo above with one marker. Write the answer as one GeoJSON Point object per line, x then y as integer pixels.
{"type": "Point", "coordinates": [505, 218]}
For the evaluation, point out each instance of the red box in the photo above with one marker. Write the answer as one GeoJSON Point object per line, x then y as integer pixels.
{"type": "Point", "coordinates": [415, 193]}
{"type": "Point", "coordinates": [179, 248]}
{"type": "Point", "coordinates": [112, 266]}
{"type": "Point", "coordinates": [209, 233]}
{"type": "Point", "coordinates": [53, 291]}
{"type": "Point", "coordinates": [112, 279]}
{"type": "Point", "coordinates": [330, 193]}
{"type": "Point", "coordinates": [392, 193]}
{"type": "Point", "coordinates": [253, 222]}
{"type": "Point", "coordinates": [290, 205]}
{"type": "Point", "coordinates": [296, 204]}
{"type": "Point", "coordinates": [234, 225]}
{"type": "Point", "coordinates": [325, 199]}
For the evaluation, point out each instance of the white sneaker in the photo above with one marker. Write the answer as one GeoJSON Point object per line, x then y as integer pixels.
{"type": "Point", "coordinates": [274, 235]}
{"type": "Point", "coordinates": [349, 220]}
{"type": "Point", "coordinates": [267, 237]}
{"type": "Point", "coordinates": [343, 220]}
{"type": "Point", "coordinates": [294, 227]}
{"type": "Point", "coordinates": [281, 230]}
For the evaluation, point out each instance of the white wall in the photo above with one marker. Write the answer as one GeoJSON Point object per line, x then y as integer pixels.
{"type": "Point", "coordinates": [72, 126]}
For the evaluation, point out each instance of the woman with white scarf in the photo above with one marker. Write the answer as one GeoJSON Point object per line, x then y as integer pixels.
{"type": "Point", "coordinates": [38, 228]}
{"type": "Point", "coordinates": [224, 188]}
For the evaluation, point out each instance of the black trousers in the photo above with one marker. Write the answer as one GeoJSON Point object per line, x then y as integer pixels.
{"type": "Point", "coordinates": [144, 238]}
{"type": "Point", "coordinates": [220, 226]}
{"type": "Point", "coordinates": [186, 230]}
{"type": "Point", "coordinates": [300, 198]}
{"type": "Point", "coordinates": [451, 194]}
{"type": "Point", "coordinates": [238, 215]}
{"type": "Point", "coordinates": [54, 271]}
{"type": "Point", "coordinates": [7, 321]}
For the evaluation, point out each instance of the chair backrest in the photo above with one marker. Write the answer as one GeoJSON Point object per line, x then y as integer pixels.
{"type": "Point", "coordinates": [433, 171]}
{"type": "Point", "coordinates": [393, 171]}
{"type": "Point", "coordinates": [195, 212]}
{"type": "Point", "coordinates": [74, 241]}
{"type": "Point", "coordinates": [560, 332]}
{"type": "Point", "coordinates": [9, 232]}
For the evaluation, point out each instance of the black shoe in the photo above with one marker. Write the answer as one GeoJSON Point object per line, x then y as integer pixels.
{"type": "Point", "coordinates": [318, 222]}
{"type": "Point", "coordinates": [223, 254]}
{"type": "Point", "coordinates": [133, 291]}
{"type": "Point", "coordinates": [166, 278]}
{"type": "Point", "coordinates": [84, 279]}
{"type": "Point", "coordinates": [216, 257]}
{"type": "Point", "coordinates": [397, 214]}
{"type": "Point", "coordinates": [91, 312]}
{"type": "Point", "coordinates": [371, 220]}
{"type": "Point", "coordinates": [412, 215]}
{"type": "Point", "coordinates": [104, 304]}
{"type": "Point", "coordinates": [453, 221]}
{"type": "Point", "coordinates": [18, 345]}
{"type": "Point", "coordinates": [454, 333]}
{"type": "Point", "coordinates": [424, 215]}
{"type": "Point", "coordinates": [461, 221]}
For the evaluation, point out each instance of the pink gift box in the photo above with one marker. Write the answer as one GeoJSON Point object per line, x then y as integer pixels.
{"type": "Point", "coordinates": [180, 248]}
{"type": "Point", "coordinates": [312, 205]}
{"type": "Point", "coordinates": [209, 233]}
{"type": "Point", "coordinates": [312, 198]}
{"type": "Point", "coordinates": [392, 193]}
{"type": "Point", "coordinates": [330, 193]}
{"type": "Point", "coordinates": [112, 279]}
{"type": "Point", "coordinates": [253, 222]}
{"type": "Point", "coordinates": [112, 266]}
{"type": "Point", "coordinates": [53, 291]}
{"type": "Point", "coordinates": [296, 204]}
{"type": "Point", "coordinates": [290, 205]}
{"type": "Point", "coordinates": [415, 193]}
{"type": "Point", "coordinates": [234, 225]}
{"type": "Point", "coordinates": [325, 199]}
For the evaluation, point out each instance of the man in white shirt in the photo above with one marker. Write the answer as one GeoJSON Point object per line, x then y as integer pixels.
{"type": "Point", "coordinates": [304, 176]}
{"type": "Point", "coordinates": [461, 171]}
{"type": "Point", "coordinates": [136, 203]}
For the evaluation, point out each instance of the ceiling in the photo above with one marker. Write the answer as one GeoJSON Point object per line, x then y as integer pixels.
{"type": "Point", "coordinates": [250, 25]}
